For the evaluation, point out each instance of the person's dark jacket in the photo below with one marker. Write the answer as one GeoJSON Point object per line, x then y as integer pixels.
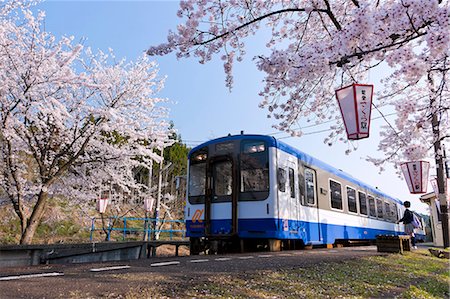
{"type": "Point", "coordinates": [407, 217]}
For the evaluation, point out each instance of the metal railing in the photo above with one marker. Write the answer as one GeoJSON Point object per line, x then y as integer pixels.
{"type": "Point", "coordinates": [126, 227]}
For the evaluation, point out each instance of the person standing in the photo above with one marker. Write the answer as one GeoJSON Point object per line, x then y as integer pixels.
{"type": "Point", "coordinates": [407, 220]}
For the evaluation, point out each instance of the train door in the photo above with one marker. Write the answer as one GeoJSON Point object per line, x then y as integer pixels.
{"type": "Point", "coordinates": [311, 229]}
{"type": "Point", "coordinates": [221, 203]}
{"type": "Point", "coordinates": [287, 197]}
{"type": "Point", "coordinates": [293, 193]}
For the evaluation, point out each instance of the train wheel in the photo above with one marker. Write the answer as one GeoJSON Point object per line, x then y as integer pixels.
{"type": "Point", "coordinates": [195, 246]}
{"type": "Point", "coordinates": [248, 245]}
{"type": "Point", "coordinates": [274, 245]}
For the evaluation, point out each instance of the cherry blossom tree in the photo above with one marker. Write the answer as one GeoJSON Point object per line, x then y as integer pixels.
{"type": "Point", "coordinates": [317, 46]}
{"type": "Point", "coordinates": [72, 122]}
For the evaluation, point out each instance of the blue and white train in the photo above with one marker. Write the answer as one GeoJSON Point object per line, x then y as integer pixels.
{"type": "Point", "coordinates": [249, 191]}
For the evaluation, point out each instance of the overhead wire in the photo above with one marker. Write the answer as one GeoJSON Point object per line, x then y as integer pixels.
{"type": "Point", "coordinates": [194, 143]}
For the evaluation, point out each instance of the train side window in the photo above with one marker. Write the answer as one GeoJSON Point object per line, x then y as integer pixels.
{"type": "Point", "coordinates": [351, 200]}
{"type": "Point", "coordinates": [281, 179]}
{"type": "Point", "coordinates": [292, 182]}
{"type": "Point", "coordinates": [372, 209]}
{"type": "Point", "coordinates": [310, 183]}
{"type": "Point", "coordinates": [301, 184]}
{"type": "Point", "coordinates": [336, 195]}
{"type": "Point", "coordinates": [379, 208]}
{"type": "Point", "coordinates": [387, 209]}
{"type": "Point", "coordinates": [394, 211]}
{"type": "Point", "coordinates": [389, 213]}
{"type": "Point", "coordinates": [362, 203]}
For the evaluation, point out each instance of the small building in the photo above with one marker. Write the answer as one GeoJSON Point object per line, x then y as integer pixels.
{"type": "Point", "coordinates": [436, 224]}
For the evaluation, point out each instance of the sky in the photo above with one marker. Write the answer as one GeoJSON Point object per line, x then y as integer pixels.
{"type": "Point", "coordinates": [202, 107]}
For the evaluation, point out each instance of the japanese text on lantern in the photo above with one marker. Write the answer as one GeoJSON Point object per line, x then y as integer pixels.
{"type": "Point", "coordinates": [364, 115]}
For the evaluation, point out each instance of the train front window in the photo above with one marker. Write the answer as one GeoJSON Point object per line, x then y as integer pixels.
{"type": "Point", "coordinates": [197, 177]}
{"type": "Point", "coordinates": [254, 169]}
{"type": "Point", "coordinates": [222, 174]}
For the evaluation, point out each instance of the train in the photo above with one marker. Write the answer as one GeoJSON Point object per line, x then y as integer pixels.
{"type": "Point", "coordinates": [250, 192]}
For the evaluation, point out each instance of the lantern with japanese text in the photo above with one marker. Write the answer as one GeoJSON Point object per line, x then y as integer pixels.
{"type": "Point", "coordinates": [148, 204]}
{"type": "Point", "coordinates": [416, 175]}
{"type": "Point", "coordinates": [355, 102]}
{"type": "Point", "coordinates": [102, 203]}
{"type": "Point", "coordinates": [434, 184]}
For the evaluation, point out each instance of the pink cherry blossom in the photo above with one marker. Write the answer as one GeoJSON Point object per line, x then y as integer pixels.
{"type": "Point", "coordinates": [72, 123]}
{"type": "Point", "coordinates": [319, 46]}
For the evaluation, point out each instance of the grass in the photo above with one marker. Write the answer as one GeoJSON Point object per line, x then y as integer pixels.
{"type": "Point", "coordinates": [412, 275]}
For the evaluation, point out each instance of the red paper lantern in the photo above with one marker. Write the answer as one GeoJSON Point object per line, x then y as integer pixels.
{"type": "Point", "coordinates": [102, 203]}
{"type": "Point", "coordinates": [355, 102]}
{"type": "Point", "coordinates": [416, 175]}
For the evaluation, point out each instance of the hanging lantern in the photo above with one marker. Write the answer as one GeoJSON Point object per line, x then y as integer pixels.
{"type": "Point", "coordinates": [416, 175]}
{"type": "Point", "coordinates": [102, 203]}
{"type": "Point", "coordinates": [434, 184]}
{"type": "Point", "coordinates": [148, 204]}
{"type": "Point", "coordinates": [355, 102]}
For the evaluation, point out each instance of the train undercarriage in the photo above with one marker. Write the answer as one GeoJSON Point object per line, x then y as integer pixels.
{"type": "Point", "coordinates": [221, 245]}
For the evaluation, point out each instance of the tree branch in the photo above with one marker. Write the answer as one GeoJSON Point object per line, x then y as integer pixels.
{"type": "Point", "coordinates": [262, 18]}
{"type": "Point", "coordinates": [345, 59]}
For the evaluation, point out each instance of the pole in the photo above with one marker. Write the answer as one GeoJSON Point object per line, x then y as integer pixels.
{"type": "Point", "coordinates": [158, 199]}
{"type": "Point", "coordinates": [149, 194]}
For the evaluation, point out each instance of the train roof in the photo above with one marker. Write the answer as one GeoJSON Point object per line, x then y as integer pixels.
{"type": "Point", "coordinates": [273, 142]}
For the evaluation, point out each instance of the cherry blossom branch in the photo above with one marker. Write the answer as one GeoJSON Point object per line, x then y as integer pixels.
{"type": "Point", "coordinates": [260, 18]}
{"type": "Point", "coordinates": [346, 58]}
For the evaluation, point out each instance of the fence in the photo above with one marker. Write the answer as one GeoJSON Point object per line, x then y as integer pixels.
{"type": "Point", "coordinates": [134, 227]}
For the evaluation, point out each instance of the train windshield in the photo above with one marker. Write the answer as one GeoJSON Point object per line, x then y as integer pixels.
{"type": "Point", "coordinates": [214, 165]}
{"type": "Point", "coordinates": [197, 176]}
{"type": "Point", "coordinates": [254, 171]}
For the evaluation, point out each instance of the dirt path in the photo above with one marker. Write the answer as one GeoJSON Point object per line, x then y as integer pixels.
{"type": "Point", "coordinates": [160, 276]}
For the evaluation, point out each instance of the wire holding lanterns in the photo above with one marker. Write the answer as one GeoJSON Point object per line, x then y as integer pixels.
{"type": "Point", "coordinates": [416, 175]}
{"type": "Point", "coordinates": [355, 103]}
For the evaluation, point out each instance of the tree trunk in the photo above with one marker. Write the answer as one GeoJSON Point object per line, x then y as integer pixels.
{"type": "Point", "coordinates": [35, 219]}
{"type": "Point", "coordinates": [439, 155]}
{"type": "Point", "coordinates": [20, 212]}
{"type": "Point", "coordinates": [441, 181]}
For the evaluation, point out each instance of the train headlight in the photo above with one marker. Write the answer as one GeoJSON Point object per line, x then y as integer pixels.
{"type": "Point", "coordinates": [200, 157]}
{"type": "Point", "coordinates": [254, 148]}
